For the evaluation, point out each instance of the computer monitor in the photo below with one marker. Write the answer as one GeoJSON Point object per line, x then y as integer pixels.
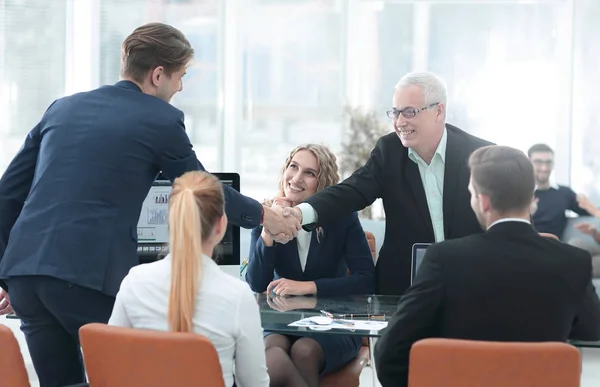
{"type": "Point", "coordinates": [418, 253]}
{"type": "Point", "coordinates": [153, 232]}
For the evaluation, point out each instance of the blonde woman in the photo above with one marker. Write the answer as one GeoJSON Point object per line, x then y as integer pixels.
{"type": "Point", "coordinates": [314, 263]}
{"type": "Point", "coordinates": [187, 292]}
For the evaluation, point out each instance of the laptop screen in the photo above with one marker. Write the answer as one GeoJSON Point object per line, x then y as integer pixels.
{"type": "Point", "coordinates": [418, 253]}
{"type": "Point", "coordinates": [153, 231]}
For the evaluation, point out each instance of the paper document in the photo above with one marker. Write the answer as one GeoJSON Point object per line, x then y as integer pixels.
{"type": "Point", "coordinates": [367, 325]}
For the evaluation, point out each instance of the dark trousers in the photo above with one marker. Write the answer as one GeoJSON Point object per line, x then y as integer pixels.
{"type": "Point", "coordinates": [51, 313]}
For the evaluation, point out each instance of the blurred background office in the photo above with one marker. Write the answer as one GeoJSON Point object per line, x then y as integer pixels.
{"type": "Point", "coordinates": [270, 74]}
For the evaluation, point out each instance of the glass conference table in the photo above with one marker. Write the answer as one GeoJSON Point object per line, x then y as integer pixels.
{"type": "Point", "coordinates": [277, 313]}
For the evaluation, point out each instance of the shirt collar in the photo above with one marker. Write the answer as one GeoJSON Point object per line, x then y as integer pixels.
{"type": "Point", "coordinates": [509, 220]}
{"type": "Point", "coordinates": [441, 150]}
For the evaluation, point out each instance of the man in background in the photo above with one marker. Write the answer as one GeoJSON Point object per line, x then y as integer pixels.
{"type": "Point", "coordinates": [496, 286]}
{"type": "Point", "coordinates": [552, 199]}
{"type": "Point", "coordinates": [419, 170]}
{"type": "Point", "coordinates": [71, 198]}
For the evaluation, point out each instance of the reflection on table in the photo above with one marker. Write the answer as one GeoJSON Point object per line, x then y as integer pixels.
{"type": "Point", "coordinates": [278, 312]}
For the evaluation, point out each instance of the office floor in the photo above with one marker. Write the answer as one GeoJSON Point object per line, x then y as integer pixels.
{"type": "Point", "coordinates": [590, 377]}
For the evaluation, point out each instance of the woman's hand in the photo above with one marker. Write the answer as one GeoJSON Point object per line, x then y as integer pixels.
{"type": "Point", "coordinates": [283, 304]}
{"type": "Point", "coordinates": [286, 287]}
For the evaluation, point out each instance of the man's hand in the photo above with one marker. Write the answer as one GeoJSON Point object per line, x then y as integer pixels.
{"type": "Point", "coordinates": [293, 211]}
{"type": "Point", "coordinates": [5, 307]}
{"type": "Point", "coordinates": [286, 287]}
{"type": "Point", "coordinates": [282, 228]}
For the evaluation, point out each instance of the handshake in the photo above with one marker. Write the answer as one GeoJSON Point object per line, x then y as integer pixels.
{"type": "Point", "coordinates": [281, 221]}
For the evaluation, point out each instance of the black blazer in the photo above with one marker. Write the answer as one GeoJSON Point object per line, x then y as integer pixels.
{"type": "Point", "coordinates": [71, 198]}
{"type": "Point", "coordinates": [341, 247]}
{"type": "Point", "coordinates": [389, 174]}
{"type": "Point", "coordinates": [507, 284]}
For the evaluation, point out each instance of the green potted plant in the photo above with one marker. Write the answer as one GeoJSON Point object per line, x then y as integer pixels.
{"type": "Point", "coordinates": [362, 131]}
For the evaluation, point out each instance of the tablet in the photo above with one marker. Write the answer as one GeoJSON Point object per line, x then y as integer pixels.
{"type": "Point", "coordinates": [418, 252]}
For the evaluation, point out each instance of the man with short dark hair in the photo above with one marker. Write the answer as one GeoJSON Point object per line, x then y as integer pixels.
{"type": "Point", "coordinates": [71, 198]}
{"type": "Point", "coordinates": [553, 199]}
{"type": "Point", "coordinates": [500, 285]}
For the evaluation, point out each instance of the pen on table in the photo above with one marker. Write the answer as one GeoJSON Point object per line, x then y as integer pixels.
{"type": "Point", "coordinates": [363, 315]}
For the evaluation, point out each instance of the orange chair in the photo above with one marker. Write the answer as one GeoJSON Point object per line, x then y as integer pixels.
{"type": "Point", "coordinates": [12, 365]}
{"type": "Point", "coordinates": [349, 375]}
{"type": "Point", "coordinates": [123, 357]}
{"type": "Point", "coordinates": [459, 363]}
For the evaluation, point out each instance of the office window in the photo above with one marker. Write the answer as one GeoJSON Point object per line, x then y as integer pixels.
{"type": "Point", "coordinates": [32, 66]}
{"type": "Point", "coordinates": [585, 142]}
{"type": "Point", "coordinates": [198, 20]}
{"type": "Point", "coordinates": [293, 84]}
{"type": "Point", "coordinates": [506, 63]}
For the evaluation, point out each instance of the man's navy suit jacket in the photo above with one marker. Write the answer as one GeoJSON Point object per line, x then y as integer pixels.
{"type": "Point", "coordinates": [71, 198]}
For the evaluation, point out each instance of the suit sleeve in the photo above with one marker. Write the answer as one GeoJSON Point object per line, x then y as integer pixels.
{"type": "Point", "coordinates": [178, 157]}
{"type": "Point", "coordinates": [359, 261]}
{"type": "Point", "coordinates": [353, 194]}
{"type": "Point", "coordinates": [414, 320]}
{"type": "Point", "coordinates": [586, 326]}
{"type": "Point", "coordinates": [261, 262]}
{"type": "Point", "coordinates": [15, 184]}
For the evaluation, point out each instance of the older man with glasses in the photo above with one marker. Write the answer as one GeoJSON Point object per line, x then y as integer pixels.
{"type": "Point", "coordinates": [420, 171]}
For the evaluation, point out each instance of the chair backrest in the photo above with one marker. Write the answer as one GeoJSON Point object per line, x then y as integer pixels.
{"type": "Point", "coordinates": [453, 363]}
{"type": "Point", "coordinates": [12, 366]}
{"type": "Point", "coordinates": [372, 244]}
{"type": "Point", "coordinates": [119, 357]}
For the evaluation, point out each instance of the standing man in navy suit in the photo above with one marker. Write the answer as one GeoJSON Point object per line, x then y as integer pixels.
{"type": "Point", "coordinates": [71, 198]}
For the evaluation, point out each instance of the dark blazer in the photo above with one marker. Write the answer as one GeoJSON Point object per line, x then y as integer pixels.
{"type": "Point", "coordinates": [507, 284]}
{"type": "Point", "coordinates": [389, 174]}
{"type": "Point", "coordinates": [71, 198]}
{"type": "Point", "coordinates": [342, 246]}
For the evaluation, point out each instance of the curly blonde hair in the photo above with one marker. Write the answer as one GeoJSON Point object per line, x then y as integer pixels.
{"type": "Point", "coordinates": [328, 169]}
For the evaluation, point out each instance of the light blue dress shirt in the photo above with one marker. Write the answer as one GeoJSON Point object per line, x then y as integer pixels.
{"type": "Point", "coordinates": [432, 176]}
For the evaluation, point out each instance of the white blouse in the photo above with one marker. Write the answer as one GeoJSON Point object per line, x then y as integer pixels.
{"type": "Point", "coordinates": [303, 241]}
{"type": "Point", "coordinates": [226, 313]}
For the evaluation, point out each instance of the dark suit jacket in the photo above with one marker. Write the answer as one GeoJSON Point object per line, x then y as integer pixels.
{"type": "Point", "coordinates": [71, 198]}
{"type": "Point", "coordinates": [389, 174]}
{"type": "Point", "coordinates": [342, 246]}
{"type": "Point", "coordinates": [507, 284]}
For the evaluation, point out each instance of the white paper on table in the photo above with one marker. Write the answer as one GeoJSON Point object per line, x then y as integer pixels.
{"type": "Point", "coordinates": [367, 325]}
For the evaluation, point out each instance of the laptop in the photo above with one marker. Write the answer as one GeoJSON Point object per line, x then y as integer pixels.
{"type": "Point", "coordinates": [418, 253]}
{"type": "Point", "coordinates": [153, 232]}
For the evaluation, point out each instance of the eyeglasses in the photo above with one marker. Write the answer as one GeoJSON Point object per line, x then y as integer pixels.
{"type": "Point", "coordinates": [407, 112]}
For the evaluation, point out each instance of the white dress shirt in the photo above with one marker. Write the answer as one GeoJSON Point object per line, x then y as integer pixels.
{"type": "Point", "coordinates": [226, 313]}
{"type": "Point", "coordinates": [503, 220]}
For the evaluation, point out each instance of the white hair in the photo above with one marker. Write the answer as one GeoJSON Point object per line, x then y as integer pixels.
{"type": "Point", "coordinates": [434, 89]}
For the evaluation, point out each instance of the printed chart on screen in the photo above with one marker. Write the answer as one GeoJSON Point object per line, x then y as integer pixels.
{"type": "Point", "coordinates": [152, 225]}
